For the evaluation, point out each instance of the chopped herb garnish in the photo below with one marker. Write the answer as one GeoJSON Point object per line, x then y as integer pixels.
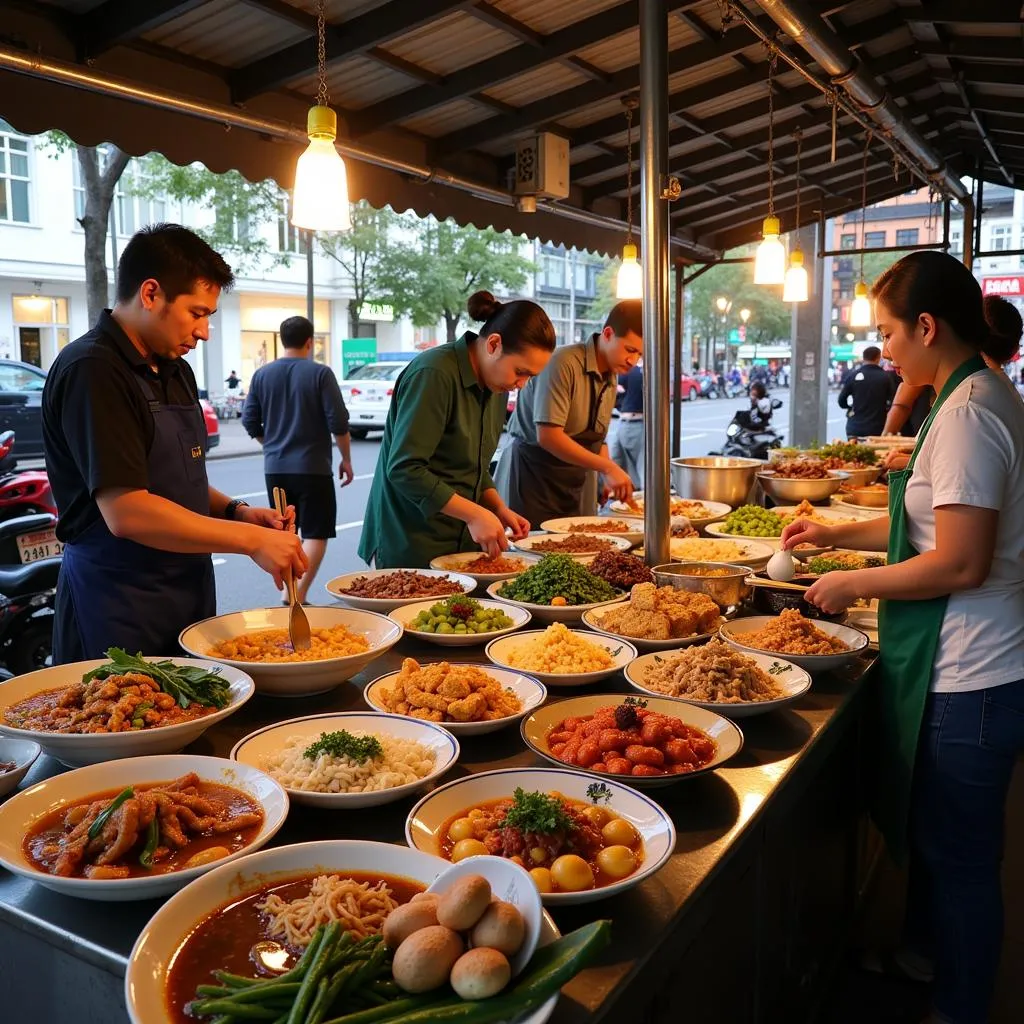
{"type": "Point", "coordinates": [598, 792]}
{"type": "Point", "coordinates": [343, 744]}
{"type": "Point", "coordinates": [537, 812]}
{"type": "Point", "coordinates": [777, 668]}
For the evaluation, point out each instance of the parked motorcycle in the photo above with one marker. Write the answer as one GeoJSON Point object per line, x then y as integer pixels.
{"type": "Point", "coordinates": [29, 566]}
{"type": "Point", "coordinates": [22, 492]}
{"type": "Point", "coordinates": [745, 440]}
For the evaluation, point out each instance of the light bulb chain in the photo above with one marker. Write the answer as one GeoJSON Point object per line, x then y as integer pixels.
{"type": "Point", "coordinates": [772, 62]}
{"type": "Point", "coordinates": [799, 148]}
{"type": "Point", "coordinates": [629, 175]}
{"type": "Point", "coordinates": [321, 53]}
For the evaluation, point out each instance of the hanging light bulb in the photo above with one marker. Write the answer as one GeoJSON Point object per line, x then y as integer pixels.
{"type": "Point", "coordinates": [629, 283]}
{"type": "Point", "coordinates": [860, 310]}
{"type": "Point", "coordinates": [795, 287]}
{"type": "Point", "coordinates": [770, 259]}
{"type": "Point", "coordinates": [320, 196]}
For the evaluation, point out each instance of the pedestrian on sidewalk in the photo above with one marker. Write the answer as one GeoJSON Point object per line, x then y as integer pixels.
{"type": "Point", "coordinates": [627, 443]}
{"type": "Point", "coordinates": [293, 408]}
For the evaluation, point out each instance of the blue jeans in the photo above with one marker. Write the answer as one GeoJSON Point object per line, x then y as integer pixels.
{"type": "Point", "coordinates": [968, 749]}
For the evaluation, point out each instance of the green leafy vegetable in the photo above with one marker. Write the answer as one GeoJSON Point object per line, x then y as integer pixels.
{"type": "Point", "coordinates": [187, 684]}
{"type": "Point", "coordinates": [343, 744]}
{"type": "Point", "coordinates": [152, 842]}
{"type": "Point", "coordinates": [104, 816]}
{"type": "Point", "coordinates": [598, 792]}
{"type": "Point", "coordinates": [558, 576]}
{"type": "Point", "coordinates": [537, 812]}
{"type": "Point", "coordinates": [848, 452]}
{"type": "Point", "coordinates": [842, 563]}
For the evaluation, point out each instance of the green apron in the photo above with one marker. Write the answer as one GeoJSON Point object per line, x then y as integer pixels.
{"type": "Point", "coordinates": [908, 637]}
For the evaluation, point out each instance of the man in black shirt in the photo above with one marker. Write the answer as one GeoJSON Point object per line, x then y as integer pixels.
{"type": "Point", "coordinates": [125, 445]}
{"type": "Point", "coordinates": [866, 394]}
{"type": "Point", "coordinates": [627, 445]}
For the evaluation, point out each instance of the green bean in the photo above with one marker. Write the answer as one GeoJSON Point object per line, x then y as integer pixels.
{"type": "Point", "coordinates": [105, 815]}
{"type": "Point", "coordinates": [369, 996]}
{"type": "Point", "coordinates": [381, 1013]}
{"type": "Point", "coordinates": [207, 1007]}
{"type": "Point", "coordinates": [385, 988]}
{"type": "Point", "coordinates": [317, 967]}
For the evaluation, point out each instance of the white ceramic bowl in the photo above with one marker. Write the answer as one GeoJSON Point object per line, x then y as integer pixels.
{"type": "Point", "coordinates": [790, 678]}
{"type": "Point", "coordinates": [76, 749]}
{"type": "Point", "coordinates": [529, 544]}
{"type": "Point", "coordinates": [622, 652]}
{"type": "Point", "coordinates": [165, 932]}
{"type": "Point", "coordinates": [404, 615]}
{"type": "Point", "coordinates": [23, 753]}
{"type": "Point", "coordinates": [712, 510]}
{"type": "Point", "coordinates": [427, 818]}
{"type": "Point", "coordinates": [732, 633]}
{"type": "Point", "coordinates": [383, 605]}
{"type": "Point", "coordinates": [19, 813]}
{"type": "Point", "coordinates": [294, 678]}
{"type": "Point", "coordinates": [592, 620]}
{"type": "Point", "coordinates": [546, 613]}
{"type": "Point", "coordinates": [634, 535]}
{"type": "Point", "coordinates": [531, 693]}
{"type": "Point", "coordinates": [456, 565]}
{"type": "Point", "coordinates": [726, 734]}
{"type": "Point", "coordinates": [252, 749]}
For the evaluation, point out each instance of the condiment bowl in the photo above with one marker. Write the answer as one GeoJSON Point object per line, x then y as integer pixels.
{"type": "Point", "coordinates": [592, 620]}
{"type": "Point", "coordinates": [547, 613]}
{"type": "Point", "coordinates": [790, 678]}
{"type": "Point", "coordinates": [23, 754]}
{"type": "Point", "coordinates": [76, 749]}
{"type": "Point", "coordinates": [405, 615]}
{"type": "Point", "coordinates": [456, 564]}
{"type": "Point", "coordinates": [733, 633]}
{"type": "Point", "coordinates": [528, 545]}
{"type": "Point", "coordinates": [634, 535]}
{"type": "Point", "coordinates": [338, 588]}
{"type": "Point", "coordinates": [622, 652]}
{"type": "Point", "coordinates": [424, 828]}
{"type": "Point", "coordinates": [254, 749]}
{"type": "Point", "coordinates": [530, 691]}
{"type": "Point", "coordinates": [19, 814]}
{"type": "Point", "coordinates": [154, 951]}
{"type": "Point", "coordinates": [294, 678]}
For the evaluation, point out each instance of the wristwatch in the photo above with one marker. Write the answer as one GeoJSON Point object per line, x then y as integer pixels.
{"type": "Point", "coordinates": [232, 507]}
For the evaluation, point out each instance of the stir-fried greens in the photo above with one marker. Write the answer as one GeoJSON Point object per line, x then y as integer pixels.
{"type": "Point", "coordinates": [187, 684]}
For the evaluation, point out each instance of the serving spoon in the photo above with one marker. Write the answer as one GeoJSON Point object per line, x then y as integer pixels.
{"type": "Point", "coordinates": [298, 624]}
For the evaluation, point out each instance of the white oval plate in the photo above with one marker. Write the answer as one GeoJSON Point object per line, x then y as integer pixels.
{"type": "Point", "coordinates": [732, 633]}
{"type": "Point", "coordinates": [294, 678]}
{"type": "Point", "coordinates": [528, 544]}
{"type": "Point", "coordinates": [19, 813]}
{"type": "Point", "coordinates": [547, 613]}
{"type": "Point", "coordinates": [792, 679]}
{"type": "Point", "coordinates": [77, 749]}
{"type": "Point", "coordinates": [753, 554]}
{"type": "Point", "coordinates": [713, 510]}
{"type": "Point", "coordinates": [592, 621]}
{"type": "Point", "coordinates": [251, 749]}
{"type": "Point", "coordinates": [622, 652]}
{"type": "Point", "coordinates": [456, 565]}
{"type": "Point", "coordinates": [531, 693]}
{"type": "Point", "coordinates": [427, 818]}
{"type": "Point", "coordinates": [715, 530]}
{"type": "Point", "coordinates": [383, 605]}
{"type": "Point", "coordinates": [23, 753]}
{"type": "Point", "coordinates": [404, 615]}
{"type": "Point", "coordinates": [145, 982]}
{"type": "Point", "coordinates": [634, 536]}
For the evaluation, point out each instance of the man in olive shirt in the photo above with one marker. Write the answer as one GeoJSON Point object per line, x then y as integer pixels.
{"type": "Point", "coordinates": [560, 425]}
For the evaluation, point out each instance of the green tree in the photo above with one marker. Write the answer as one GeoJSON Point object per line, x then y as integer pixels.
{"type": "Point", "coordinates": [605, 287]}
{"type": "Point", "coordinates": [432, 270]}
{"type": "Point", "coordinates": [361, 252]}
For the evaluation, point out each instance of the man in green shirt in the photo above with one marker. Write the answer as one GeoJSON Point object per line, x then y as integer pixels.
{"type": "Point", "coordinates": [560, 425]}
{"type": "Point", "coordinates": [432, 491]}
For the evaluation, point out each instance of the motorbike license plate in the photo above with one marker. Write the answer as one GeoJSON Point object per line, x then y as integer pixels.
{"type": "Point", "coordinates": [33, 547]}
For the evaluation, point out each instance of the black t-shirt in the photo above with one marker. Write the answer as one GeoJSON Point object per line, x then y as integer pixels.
{"type": "Point", "coordinates": [97, 427]}
{"type": "Point", "coordinates": [633, 396]}
{"type": "Point", "coordinates": [872, 390]}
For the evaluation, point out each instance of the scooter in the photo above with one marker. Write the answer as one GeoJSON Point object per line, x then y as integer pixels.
{"type": "Point", "coordinates": [746, 441]}
{"type": "Point", "coordinates": [22, 492]}
{"type": "Point", "coordinates": [29, 565]}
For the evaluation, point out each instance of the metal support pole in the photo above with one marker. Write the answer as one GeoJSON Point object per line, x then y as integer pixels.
{"type": "Point", "coordinates": [654, 223]}
{"type": "Point", "coordinates": [310, 297]}
{"type": "Point", "coordinates": [808, 387]}
{"type": "Point", "coordinates": [678, 367]}
{"type": "Point", "coordinates": [968, 207]}
{"type": "Point", "coordinates": [945, 223]}
{"type": "Point", "coordinates": [979, 205]}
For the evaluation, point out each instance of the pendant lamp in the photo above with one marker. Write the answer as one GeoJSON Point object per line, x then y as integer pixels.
{"type": "Point", "coordinates": [320, 196]}
{"type": "Point", "coordinates": [795, 287]}
{"type": "Point", "coordinates": [770, 259]}
{"type": "Point", "coordinates": [629, 283]}
{"type": "Point", "coordinates": [860, 311]}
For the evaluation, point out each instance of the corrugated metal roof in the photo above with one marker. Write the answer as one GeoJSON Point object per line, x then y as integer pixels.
{"type": "Point", "coordinates": [450, 43]}
{"type": "Point", "coordinates": [544, 81]}
{"type": "Point", "coordinates": [547, 16]}
{"type": "Point", "coordinates": [449, 118]}
{"type": "Point", "coordinates": [358, 82]}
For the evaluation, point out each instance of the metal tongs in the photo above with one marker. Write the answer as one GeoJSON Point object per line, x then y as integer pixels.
{"type": "Point", "coordinates": [298, 624]}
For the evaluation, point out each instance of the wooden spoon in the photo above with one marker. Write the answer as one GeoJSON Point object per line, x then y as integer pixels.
{"type": "Point", "coordinates": [298, 625]}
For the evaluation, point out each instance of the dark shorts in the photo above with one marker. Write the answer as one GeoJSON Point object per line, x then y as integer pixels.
{"type": "Point", "coordinates": [315, 501]}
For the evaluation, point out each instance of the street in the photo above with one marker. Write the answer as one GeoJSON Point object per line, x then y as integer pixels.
{"type": "Point", "coordinates": [240, 584]}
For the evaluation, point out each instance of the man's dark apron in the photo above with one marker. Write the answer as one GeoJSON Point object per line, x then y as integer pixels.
{"type": "Point", "coordinates": [542, 486]}
{"type": "Point", "coordinates": [117, 593]}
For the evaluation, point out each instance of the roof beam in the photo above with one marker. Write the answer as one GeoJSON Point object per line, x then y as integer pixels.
{"type": "Point", "coordinates": [497, 18]}
{"type": "Point", "coordinates": [965, 12]}
{"type": "Point", "coordinates": [977, 48]}
{"type": "Point", "coordinates": [984, 74]}
{"type": "Point", "coordinates": [355, 36]}
{"type": "Point", "coordinates": [118, 21]}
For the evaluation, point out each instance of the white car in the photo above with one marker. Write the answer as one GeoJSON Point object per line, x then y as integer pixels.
{"type": "Point", "coordinates": [367, 392]}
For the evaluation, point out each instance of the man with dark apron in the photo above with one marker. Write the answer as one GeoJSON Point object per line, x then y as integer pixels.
{"type": "Point", "coordinates": [125, 444]}
{"type": "Point", "coordinates": [559, 429]}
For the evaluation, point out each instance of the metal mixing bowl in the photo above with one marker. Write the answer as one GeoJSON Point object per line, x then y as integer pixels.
{"type": "Point", "coordinates": [715, 478]}
{"type": "Point", "coordinates": [862, 477]}
{"type": "Point", "coordinates": [793, 490]}
{"type": "Point", "coordinates": [728, 592]}
{"type": "Point", "coordinates": [870, 497]}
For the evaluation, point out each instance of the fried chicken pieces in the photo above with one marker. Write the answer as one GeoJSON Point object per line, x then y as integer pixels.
{"type": "Point", "coordinates": [662, 613]}
{"type": "Point", "coordinates": [448, 693]}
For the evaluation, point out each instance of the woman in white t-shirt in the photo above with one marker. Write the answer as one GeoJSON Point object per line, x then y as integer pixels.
{"type": "Point", "coordinates": [951, 623]}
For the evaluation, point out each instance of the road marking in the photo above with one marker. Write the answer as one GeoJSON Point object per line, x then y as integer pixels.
{"type": "Point", "coordinates": [263, 494]}
{"type": "Point", "coordinates": [348, 526]}
{"type": "Point", "coordinates": [219, 561]}
{"type": "Point", "coordinates": [691, 437]}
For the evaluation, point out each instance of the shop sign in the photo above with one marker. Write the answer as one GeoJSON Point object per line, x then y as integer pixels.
{"type": "Point", "coordinates": [372, 312]}
{"type": "Point", "coordinates": [1009, 285]}
{"type": "Point", "coordinates": [356, 352]}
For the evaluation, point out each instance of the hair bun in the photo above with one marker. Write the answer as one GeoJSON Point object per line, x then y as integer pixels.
{"type": "Point", "coordinates": [481, 306]}
{"type": "Point", "coordinates": [1005, 328]}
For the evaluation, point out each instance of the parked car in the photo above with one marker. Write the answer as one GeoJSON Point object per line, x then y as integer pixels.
{"type": "Point", "coordinates": [367, 392]}
{"type": "Point", "coordinates": [212, 426]}
{"type": "Point", "coordinates": [689, 388]}
{"type": "Point", "coordinates": [21, 394]}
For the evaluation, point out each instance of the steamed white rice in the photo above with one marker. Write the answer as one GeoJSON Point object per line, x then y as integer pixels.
{"type": "Point", "coordinates": [402, 762]}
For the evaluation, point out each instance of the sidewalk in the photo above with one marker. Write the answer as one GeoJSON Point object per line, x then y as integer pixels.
{"type": "Point", "coordinates": [234, 442]}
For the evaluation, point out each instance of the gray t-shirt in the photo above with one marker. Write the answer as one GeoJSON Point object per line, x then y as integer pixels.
{"type": "Point", "coordinates": [295, 405]}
